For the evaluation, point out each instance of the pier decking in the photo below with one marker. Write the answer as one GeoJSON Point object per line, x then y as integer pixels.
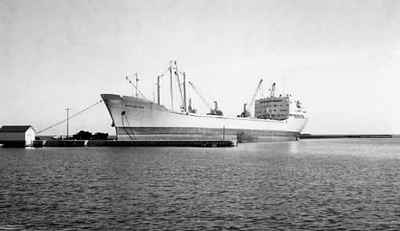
{"type": "Point", "coordinates": [134, 143]}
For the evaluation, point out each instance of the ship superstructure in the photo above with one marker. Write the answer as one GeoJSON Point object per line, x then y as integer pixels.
{"type": "Point", "coordinates": [278, 107]}
{"type": "Point", "coordinates": [135, 118]}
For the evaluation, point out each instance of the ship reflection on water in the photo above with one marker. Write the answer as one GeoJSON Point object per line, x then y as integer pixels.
{"type": "Point", "coordinates": [293, 147]}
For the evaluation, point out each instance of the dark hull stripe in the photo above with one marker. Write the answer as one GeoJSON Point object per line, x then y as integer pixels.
{"type": "Point", "coordinates": [187, 133]}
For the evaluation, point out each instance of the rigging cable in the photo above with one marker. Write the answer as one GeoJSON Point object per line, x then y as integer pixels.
{"type": "Point", "coordinates": [137, 89]}
{"type": "Point", "coordinates": [70, 117]}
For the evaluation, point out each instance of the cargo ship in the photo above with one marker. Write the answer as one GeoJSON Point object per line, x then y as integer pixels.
{"type": "Point", "coordinates": [274, 118]}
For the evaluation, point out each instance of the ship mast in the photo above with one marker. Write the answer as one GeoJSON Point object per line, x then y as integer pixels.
{"type": "Point", "coordinates": [171, 86]}
{"type": "Point", "coordinates": [184, 92]}
{"type": "Point", "coordinates": [158, 89]}
{"type": "Point", "coordinates": [179, 84]}
{"type": "Point", "coordinates": [173, 72]}
{"type": "Point", "coordinates": [135, 89]}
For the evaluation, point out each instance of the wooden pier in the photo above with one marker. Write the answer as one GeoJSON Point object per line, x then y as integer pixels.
{"type": "Point", "coordinates": [135, 143]}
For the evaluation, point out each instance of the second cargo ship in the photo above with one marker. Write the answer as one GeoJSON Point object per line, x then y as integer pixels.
{"type": "Point", "coordinates": [276, 117]}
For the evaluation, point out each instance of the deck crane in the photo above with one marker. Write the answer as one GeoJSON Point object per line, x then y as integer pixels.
{"type": "Point", "coordinates": [245, 112]}
{"type": "Point", "coordinates": [213, 111]}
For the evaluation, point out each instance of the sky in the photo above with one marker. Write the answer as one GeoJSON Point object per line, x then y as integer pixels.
{"type": "Point", "coordinates": [340, 58]}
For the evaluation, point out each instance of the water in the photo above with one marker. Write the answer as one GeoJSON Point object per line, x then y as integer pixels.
{"type": "Point", "coordinates": [310, 185]}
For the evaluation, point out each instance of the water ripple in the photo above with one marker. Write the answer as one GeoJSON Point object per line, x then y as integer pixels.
{"type": "Point", "coordinates": [308, 185]}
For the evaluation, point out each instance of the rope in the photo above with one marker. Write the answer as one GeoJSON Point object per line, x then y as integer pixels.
{"type": "Point", "coordinates": [70, 117]}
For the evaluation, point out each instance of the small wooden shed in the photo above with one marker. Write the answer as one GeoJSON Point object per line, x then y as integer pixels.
{"type": "Point", "coordinates": [17, 135]}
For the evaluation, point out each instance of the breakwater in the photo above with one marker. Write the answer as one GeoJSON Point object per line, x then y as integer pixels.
{"type": "Point", "coordinates": [339, 136]}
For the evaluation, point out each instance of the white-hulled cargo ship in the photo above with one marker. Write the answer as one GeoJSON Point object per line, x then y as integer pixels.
{"type": "Point", "coordinates": [276, 118]}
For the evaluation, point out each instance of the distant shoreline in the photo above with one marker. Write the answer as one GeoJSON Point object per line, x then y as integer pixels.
{"type": "Point", "coordinates": [338, 136]}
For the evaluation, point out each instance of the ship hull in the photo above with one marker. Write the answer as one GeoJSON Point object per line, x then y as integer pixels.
{"type": "Point", "coordinates": [139, 119]}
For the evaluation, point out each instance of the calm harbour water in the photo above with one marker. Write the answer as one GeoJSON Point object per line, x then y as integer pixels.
{"type": "Point", "coordinates": [310, 185]}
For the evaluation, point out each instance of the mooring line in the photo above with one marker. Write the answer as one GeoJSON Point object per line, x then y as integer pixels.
{"type": "Point", "coordinates": [70, 117]}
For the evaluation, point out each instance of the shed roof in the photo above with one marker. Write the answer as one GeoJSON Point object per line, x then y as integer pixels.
{"type": "Point", "coordinates": [15, 128]}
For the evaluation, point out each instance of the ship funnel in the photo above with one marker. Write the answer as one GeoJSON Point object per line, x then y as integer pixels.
{"type": "Point", "coordinates": [215, 105]}
{"type": "Point", "coordinates": [215, 110]}
{"type": "Point", "coordinates": [273, 89]}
